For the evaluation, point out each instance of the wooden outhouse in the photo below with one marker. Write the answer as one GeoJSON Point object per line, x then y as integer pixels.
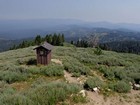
{"type": "Point", "coordinates": [44, 53]}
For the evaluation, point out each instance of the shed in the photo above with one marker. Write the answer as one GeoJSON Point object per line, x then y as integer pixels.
{"type": "Point", "coordinates": [44, 53]}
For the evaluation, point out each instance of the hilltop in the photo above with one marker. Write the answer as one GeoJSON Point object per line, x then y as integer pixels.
{"type": "Point", "coordinates": [72, 69]}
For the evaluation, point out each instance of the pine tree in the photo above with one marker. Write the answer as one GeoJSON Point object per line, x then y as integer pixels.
{"type": "Point", "coordinates": [23, 44]}
{"type": "Point", "coordinates": [13, 48]}
{"type": "Point", "coordinates": [46, 38]}
{"type": "Point", "coordinates": [72, 42]}
{"type": "Point", "coordinates": [38, 40]}
{"type": "Point", "coordinates": [63, 39]}
{"type": "Point", "coordinates": [59, 40]}
{"type": "Point", "coordinates": [78, 43]}
{"type": "Point", "coordinates": [49, 39]}
{"type": "Point", "coordinates": [54, 38]}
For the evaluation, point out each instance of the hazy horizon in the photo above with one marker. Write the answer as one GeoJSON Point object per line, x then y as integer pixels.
{"type": "Point", "coordinates": [119, 11]}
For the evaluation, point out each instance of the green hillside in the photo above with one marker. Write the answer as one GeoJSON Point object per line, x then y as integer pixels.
{"type": "Point", "coordinates": [22, 82]}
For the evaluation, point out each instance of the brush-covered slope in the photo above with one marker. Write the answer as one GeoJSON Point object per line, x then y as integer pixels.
{"type": "Point", "coordinates": [22, 82]}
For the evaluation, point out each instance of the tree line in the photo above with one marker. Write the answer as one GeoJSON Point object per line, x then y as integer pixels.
{"type": "Point", "coordinates": [80, 43]}
{"type": "Point", "coordinates": [83, 43]}
{"type": "Point", "coordinates": [122, 46]}
{"type": "Point", "coordinates": [118, 46]}
{"type": "Point", "coordinates": [54, 39]}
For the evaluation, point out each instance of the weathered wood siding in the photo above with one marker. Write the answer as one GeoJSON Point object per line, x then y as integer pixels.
{"type": "Point", "coordinates": [44, 58]}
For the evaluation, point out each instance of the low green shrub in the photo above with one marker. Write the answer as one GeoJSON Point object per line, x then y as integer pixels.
{"type": "Point", "coordinates": [53, 70]}
{"type": "Point", "coordinates": [32, 61]}
{"type": "Point", "coordinates": [78, 99]}
{"type": "Point", "coordinates": [21, 61]}
{"type": "Point", "coordinates": [74, 66]}
{"type": "Point", "coordinates": [52, 93]}
{"type": "Point", "coordinates": [114, 73]}
{"type": "Point", "coordinates": [111, 62]}
{"type": "Point", "coordinates": [34, 70]}
{"type": "Point", "coordinates": [98, 51]}
{"type": "Point", "coordinates": [109, 75]}
{"type": "Point", "coordinates": [6, 92]}
{"type": "Point", "coordinates": [101, 68]}
{"type": "Point", "coordinates": [135, 77]}
{"type": "Point", "coordinates": [26, 61]}
{"type": "Point", "coordinates": [10, 76]}
{"type": "Point", "coordinates": [93, 82]}
{"type": "Point", "coordinates": [14, 68]}
{"type": "Point", "coordinates": [111, 85]}
{"type": "Point", "coordinates": [16, 99]}
{"type": "Point", "coordinates": [2, 84]}
{"type": "Point", "coordinates": [85, 57]}
{"type": "Point", "coordinates": [40, 81]}
{"type": "Point", "coordinates": [76, 74]}
{"type": "Point", "coordinates": [120, 74]}
{"type": "Point", "coordinates": [120, 86]}
{"type": "Point", "coordinates": [42, 94]}
{"type": "Point", "coordinates": [14, 73]}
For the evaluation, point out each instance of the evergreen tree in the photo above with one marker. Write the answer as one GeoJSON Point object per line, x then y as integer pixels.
{"type": "Point", "coordinates": [98, 51]}
{"type": "Point", "coordinates": [23, 44]}
{"type": "Point", "coordinates": [38, 40]}
{"type": "Point", "coordinates": [49, 40]}
{"type": "Point", "coordinates": [59, 40]}
{"type": "Point", "coordinates": [72, 42]}
{"type": "Point", "coordinates": [85, 44]}
{"type": "Point", "coordinates": [46, 38]}
{"type": "Point", "coordinates": [78, 43]}
{"type": "Point", "coordinates": [13, 48]}
{"type": "Point", "coordinates": [54, 38]}
{"type": "Point", "coordinates": [63, 39]}
{"type": "Point", "coordinates": [81, 43]}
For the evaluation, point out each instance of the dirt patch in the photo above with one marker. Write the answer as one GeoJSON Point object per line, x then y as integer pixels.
{"type": "Point", "coordinates": [69, 78]}
{"type": "Point", "coordinates": [20, 86]}
{"type": "Point", "coordinates": [132, 98]}
{"type": "Point", "coordinates": [57, 61]}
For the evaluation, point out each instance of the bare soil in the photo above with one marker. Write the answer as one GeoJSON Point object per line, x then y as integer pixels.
{"type": "Point", "coordinates": [57, 61]}
{"type": "Point", "coordinates": [132, 98]}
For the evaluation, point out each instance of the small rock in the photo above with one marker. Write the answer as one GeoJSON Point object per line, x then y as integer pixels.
{"type": "Point", "coordinates": [83, 92]}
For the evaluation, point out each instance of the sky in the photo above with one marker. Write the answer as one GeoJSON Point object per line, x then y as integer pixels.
{"type": "Point", "coordinates": [117, 11]}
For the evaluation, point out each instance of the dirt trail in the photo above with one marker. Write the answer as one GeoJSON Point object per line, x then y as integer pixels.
{"type": "Point", "coordinates": [132, 98]}
{"type": "Point", "coordinates": [92, 96]}
{"type": "Point", "coordinates": [69, 78]}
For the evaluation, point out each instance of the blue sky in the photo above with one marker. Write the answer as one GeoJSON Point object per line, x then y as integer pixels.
{"type": "Point", "coordinates": [126, 11]}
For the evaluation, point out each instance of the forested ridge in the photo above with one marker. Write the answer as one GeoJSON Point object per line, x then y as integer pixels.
{"type": "Point", "coordinates": [122, 46]}
{"type": "Point", "coordinates": [54, 39]}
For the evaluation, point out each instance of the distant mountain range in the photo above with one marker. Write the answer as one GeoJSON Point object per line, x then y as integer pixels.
{"type": "Point", "coordinates": [16, 29]}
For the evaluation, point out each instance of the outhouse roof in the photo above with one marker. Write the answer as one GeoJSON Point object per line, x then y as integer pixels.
{"type": "Point", "coordinates": [45, 45]}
